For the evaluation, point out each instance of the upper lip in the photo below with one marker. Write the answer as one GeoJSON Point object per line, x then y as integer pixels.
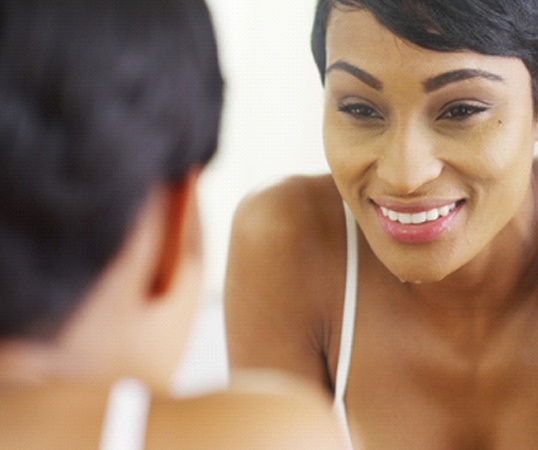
{"type": "Point", "coordinates": [414, 206]}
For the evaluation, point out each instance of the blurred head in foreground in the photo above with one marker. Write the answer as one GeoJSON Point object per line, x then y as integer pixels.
{"type": "Point", "coordinates": [109, 109]}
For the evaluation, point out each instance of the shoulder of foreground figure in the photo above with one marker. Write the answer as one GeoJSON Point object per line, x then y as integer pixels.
{"type": "Point", "coordinates": [257, 415]}
{"type": "Point", "coordinates": [294, 206]}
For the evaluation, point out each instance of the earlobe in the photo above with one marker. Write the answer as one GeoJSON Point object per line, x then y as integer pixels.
{"type": "Point", "coordinates": [181, 232]}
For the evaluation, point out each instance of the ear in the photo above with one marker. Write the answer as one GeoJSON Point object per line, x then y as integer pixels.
{"type": "Point", "coordinates": [181, 238]}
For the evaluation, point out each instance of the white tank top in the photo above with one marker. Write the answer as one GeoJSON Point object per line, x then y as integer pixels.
{"type": "Point", "coordinates": [348, 322]}
{"type": "Point", "coordinates": [126, 417]}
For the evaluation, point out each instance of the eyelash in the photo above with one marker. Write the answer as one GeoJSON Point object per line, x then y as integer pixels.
{"type": "Point", "coordinates": [458, 112]}
{"type": "Point", "coordinates": [462, 111]}
{"type": "Point", "coordinates": [360, 111]}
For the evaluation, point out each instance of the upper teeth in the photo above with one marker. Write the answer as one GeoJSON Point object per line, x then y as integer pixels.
{"type": "Point", "coordinates": [420, 217]}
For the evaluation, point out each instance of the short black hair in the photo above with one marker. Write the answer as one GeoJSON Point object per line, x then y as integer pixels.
{"type": "Point", "coordinates": [491, 27]}
{"type": "Point", "coordinates": [100, 100]}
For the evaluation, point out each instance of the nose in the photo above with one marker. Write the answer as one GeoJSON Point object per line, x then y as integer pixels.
{"type": "Point", "coordinates": [408, 160]}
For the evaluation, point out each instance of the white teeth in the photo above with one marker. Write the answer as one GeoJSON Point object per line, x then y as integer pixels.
{"type": "Point", "coordinates": [420, 217]}
{"type": "Point", "coordinates": [432, 214]}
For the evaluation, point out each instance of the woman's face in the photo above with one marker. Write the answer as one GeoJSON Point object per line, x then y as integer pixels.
{"type": "Point", "coordinates": [432, 151]}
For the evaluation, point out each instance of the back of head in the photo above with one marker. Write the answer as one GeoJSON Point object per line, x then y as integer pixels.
{"type": "Point", "coordinates": [100, 101]}
{"type": "Point", "coordinates": [491, 27]}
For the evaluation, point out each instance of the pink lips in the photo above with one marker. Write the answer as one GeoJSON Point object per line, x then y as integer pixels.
{"type": "Point", "coordinates": [416, 233]}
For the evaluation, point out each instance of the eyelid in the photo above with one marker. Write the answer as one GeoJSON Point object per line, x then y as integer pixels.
{"type": "Point", "coordinates": [346, 106]}
{"type": "Point", "coordinates": [478, 106]}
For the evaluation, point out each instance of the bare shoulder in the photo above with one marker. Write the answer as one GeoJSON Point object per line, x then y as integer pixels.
{"type": "Point", "coordinates": [295, 226]}
{"type": "Point", "coordinates": [284, 266]}
{"type": "Point", "coordinates": [41, 416]}
{"type": "Point", "coordinates": [294, 207]}
{"type": "Point", "coordinates": [246, 418]}
{"type": "Point", "coordinates": [259, 413]}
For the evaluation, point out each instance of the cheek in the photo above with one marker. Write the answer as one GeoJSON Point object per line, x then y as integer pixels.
{"type": "Point", "coordinates": [500, 174]}
{"type": "Point", "coordinates": [499, 153]}
{"type": "Point", "coordinates": [347, 152]}
{"type": "Point", "coordinates": [512, 141]}
{"type": "Point", "coordinates": [335, 148]}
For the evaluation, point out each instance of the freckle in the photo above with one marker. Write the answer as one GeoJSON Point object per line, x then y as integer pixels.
{"type": "Point", "coordinates": [500, 122]}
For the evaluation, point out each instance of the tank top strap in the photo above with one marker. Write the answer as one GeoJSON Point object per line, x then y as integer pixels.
{"type": "Point", "coordinates": [348, 320]}
{"type": "Point", "coordinates": [124, 427]}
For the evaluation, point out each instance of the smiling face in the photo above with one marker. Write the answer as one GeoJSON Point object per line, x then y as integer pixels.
{"type": "Point", "coordinates": [432, 151]}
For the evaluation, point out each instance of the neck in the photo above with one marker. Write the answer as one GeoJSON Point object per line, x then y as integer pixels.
{"type": "Point", "coordinates": [498, 281]}
{"type": "Point", "coordinates": [26, 362]}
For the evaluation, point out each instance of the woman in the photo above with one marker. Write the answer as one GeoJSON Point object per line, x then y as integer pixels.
{"type": "Point", "coordinates": [108, 111]}
{"type": "Point", "coordinates": [405, 282]}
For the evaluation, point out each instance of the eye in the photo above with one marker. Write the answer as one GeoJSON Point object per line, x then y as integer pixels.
{"type": "Point", "coordinates": [361, 111]}
{"type": "Point", "coordinates": [462, 111]}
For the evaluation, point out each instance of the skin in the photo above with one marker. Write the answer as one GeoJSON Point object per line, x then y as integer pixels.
{"type": "Point", "coordinates": [292, 416]}
{"type": "Point", "coordinates": [135, 322]}
{"type": "Point", "coordinates": [445, 346]}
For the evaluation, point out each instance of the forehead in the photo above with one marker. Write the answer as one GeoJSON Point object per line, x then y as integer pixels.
{"type": "Point", "coordinates": [356, 37]}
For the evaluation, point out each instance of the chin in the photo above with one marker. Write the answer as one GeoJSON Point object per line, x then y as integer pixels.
{"type": "Point", "coordinates": [423, 274]}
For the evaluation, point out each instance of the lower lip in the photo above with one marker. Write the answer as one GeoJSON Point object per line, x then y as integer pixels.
{"type": "Point", "coordinates": [417, 233]}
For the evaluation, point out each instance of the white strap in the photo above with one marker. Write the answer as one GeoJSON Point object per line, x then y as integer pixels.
{"type": "Point", "coordinates": [348, 320]}
{"type": "Point", "coordinates": [125, 420]}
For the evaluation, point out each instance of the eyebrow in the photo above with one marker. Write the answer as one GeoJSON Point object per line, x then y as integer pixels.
{"type": "Point", "coordinates": [429, 85]}
{"type": "Point", "coordinates": [362, 75]}
{"type": "Point", "coordinates": [439, 81]}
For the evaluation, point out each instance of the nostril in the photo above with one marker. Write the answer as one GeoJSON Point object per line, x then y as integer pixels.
{"type": "Point", "coordinates": [405, 174]}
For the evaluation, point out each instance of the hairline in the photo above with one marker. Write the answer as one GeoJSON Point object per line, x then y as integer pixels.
{"type": "Point", "coordinates": [356, 5]}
